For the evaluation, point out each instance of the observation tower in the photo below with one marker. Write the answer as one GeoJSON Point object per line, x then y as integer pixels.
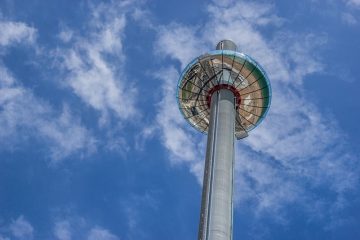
{"type": "Point", "coordinates": [225, 94]}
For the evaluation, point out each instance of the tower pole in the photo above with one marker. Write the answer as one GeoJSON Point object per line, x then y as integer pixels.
{"type": "Point", "coordinates": [216, 218]}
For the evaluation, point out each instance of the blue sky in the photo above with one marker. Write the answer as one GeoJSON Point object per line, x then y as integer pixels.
{"type": "Point", "coordinates": [94, 147]}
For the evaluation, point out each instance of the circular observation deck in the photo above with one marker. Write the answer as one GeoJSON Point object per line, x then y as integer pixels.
{"type": "Point", "coordinates": [224, 69]}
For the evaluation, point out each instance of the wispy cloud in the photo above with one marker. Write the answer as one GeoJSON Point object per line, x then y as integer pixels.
{"type": "Point", "coordinates": [297, 149]}
{"type": "Point", "coordinates": [19, 228]}
{"type": "Point", "coordinates": [75, 227]}
{"type": "Point", "coordinates": [98, 233]}
{"type": "Point", "coordinates": [23, 114]}
{"type": "Point", "coordinates": [174, 42]}
{"type": "Point", "coordinates": [90, 63]}
{"type": "Point", "coordinates": [349, 18]}
{"type": "Point", "coordinates": [181, 142]}
{"type": "Point", "coordinates": [93, 62]}
{"type": "Point", "coordinates": [353, 3]}
{"type": "Point", "coordinates": [16, 32]}
{"type": "Point", "coordinates": [62, 230]}
{"type": "Point", "coordinates": [133, 207]}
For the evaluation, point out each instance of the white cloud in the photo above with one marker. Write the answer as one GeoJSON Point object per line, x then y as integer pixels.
{"type": "Point", "coordinates": [21, 229]}
{"type": "Point", "coordinates": [16, 32]}
{"type": "Point", "coordinates": [252, 12]}
{"type": "Point", "coordinates": [66, 35]}
{"type": "Point", "coordinates": [76, 227]}
{"type": "Point", "coordinates": [349, 18]}
{"type": "Point", "coordinates": [62, 230]}
{"type": "Point", "coordinates": [93, 63]}
{"type": "Point", "coordinates": [353, 3]}
{"type": "Point", "coordinates": [133, 207]}
{"type": "Point", "coordinates": [23, 114]}
{"type": "Point", "coordinates": [297, 148]}
{"type": "Point", "coordinates": [98, 233]}
{"type": "Point", "coordinates": [178, 42]}
{"type": "Point", "coordinates": [262, 186]}
{"type": "Point", "coordinates": [176, 137]}
{"type": "Point", "coordinates": [281, 64]}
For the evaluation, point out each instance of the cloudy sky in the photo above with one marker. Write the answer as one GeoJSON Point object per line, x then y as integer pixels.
{"type": "Point", "coordinates": [93, 146]}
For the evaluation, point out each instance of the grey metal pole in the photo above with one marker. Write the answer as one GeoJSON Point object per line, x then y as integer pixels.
{"type": "Point", "coordinates": [216, 217]}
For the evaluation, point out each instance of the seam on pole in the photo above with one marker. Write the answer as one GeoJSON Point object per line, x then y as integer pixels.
{"type": "Point", "coordinates": [212, 163]}
{"type": "Point", "coordinates": [232, 181]}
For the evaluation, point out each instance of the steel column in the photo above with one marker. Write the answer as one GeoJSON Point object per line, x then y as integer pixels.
{"type": "Point", "coordinates": [217, 200]}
